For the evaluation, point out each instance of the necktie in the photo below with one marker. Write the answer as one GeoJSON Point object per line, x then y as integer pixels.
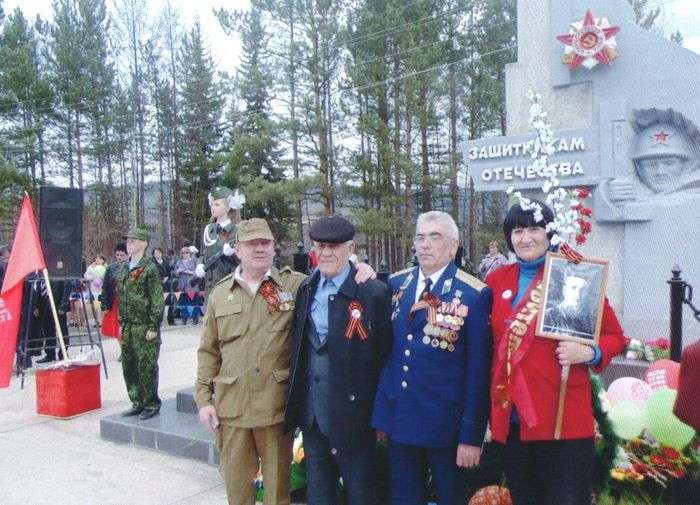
{"type": "Point", "coordinates": [428, 282]}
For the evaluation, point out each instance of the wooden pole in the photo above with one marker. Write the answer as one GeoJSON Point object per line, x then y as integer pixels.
{"type": "Point", "coordinates": [59, 332]}
{"type": "Point", "coordinates": [562, 398]}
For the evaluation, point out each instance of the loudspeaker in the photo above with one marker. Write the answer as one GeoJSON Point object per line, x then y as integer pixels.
{"type": "Point", "coordinates": [61, 230]}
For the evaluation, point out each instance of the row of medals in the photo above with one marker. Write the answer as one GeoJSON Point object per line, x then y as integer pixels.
{"type": "Point", "coordinates": [449, 319]}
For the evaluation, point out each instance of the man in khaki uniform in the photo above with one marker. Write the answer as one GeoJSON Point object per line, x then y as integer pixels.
{"type": "Point", "coordinates": [244, 353]}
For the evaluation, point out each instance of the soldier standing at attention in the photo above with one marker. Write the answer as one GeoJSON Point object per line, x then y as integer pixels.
{"type": "Point", "coordinates": [218, 236]}
{"type": "Point", "coordinates": [433, 398]}
{"type": "Point", "coordinates": [140, 314]}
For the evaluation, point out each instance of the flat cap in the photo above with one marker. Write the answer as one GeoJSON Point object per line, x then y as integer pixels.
{"type": "Point", "coordinates": [253, 229]}
{"type": "Point", "coordinates": [332, 229]}
{"type": "Point", "coordinates": [220, 192]}
{"type": "Point", "coordinates": [138, 233]}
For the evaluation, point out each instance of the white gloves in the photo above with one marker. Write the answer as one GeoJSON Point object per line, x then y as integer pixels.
{"type": "Point", "coordinates": [199, 271]}
{"type": "Point", "coordinates": [236, 201]}
{"type": "Point", "coordinates": [228, 250]}
{"type": "Point", "coordinates": [193, 249]}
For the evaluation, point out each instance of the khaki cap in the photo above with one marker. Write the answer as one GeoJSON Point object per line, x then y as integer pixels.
{"type": "Point", "coordinates": [252, 229]}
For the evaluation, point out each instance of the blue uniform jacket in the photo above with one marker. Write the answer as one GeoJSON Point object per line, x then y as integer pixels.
{"type": "Point", "coordinates": [428, 396]}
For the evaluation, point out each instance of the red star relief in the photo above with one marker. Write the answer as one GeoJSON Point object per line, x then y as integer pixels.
{"type": "Point", "coordinates": [589, 41]}
{"type": "Point", "coordinates": [661, 137]}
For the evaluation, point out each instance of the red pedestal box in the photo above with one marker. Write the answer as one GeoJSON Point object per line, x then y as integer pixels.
{"type": "Point", "coordinates": [66, 392]}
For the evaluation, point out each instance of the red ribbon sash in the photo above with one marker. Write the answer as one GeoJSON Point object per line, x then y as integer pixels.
{"type": "Point", "coordinates": [268, 290]}
{"type": "Point", "coordinates": [355, 325]}
{"type": "Point", "coordinates": [521, 330]}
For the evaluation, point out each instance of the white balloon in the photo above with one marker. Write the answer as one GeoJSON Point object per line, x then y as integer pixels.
{"type": "Point", "coordinates": [629, 389]}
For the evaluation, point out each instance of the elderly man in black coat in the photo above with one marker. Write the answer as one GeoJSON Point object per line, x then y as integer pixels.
{"type": "Point", "coordinates": [342, 337]}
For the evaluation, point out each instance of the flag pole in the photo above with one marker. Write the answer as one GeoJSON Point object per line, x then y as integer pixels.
{"type": "Point", "coordinates": [59, 332]}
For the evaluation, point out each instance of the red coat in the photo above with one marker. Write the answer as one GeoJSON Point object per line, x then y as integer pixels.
{"type": "Point", "coordinates": [687, 407]}
{"type": "Point", "coordinates": [537, 374]}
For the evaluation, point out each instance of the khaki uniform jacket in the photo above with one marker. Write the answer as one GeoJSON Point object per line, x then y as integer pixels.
{"type": "Point", "coordinates": [244, 353]}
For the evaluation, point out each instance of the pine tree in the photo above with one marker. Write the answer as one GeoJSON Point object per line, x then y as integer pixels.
{"type": "Point", "coordinates": [255, 152]}
{"type": "Point", "coordinates": [200, 121]}
{"type": "Point", "coordinates": [25, 97]}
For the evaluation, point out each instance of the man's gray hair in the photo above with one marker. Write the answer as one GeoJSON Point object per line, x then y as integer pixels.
{"type": "Point", "coordinates": [443, 218]}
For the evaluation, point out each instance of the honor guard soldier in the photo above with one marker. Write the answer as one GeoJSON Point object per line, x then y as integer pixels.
{"type": "Point", "coordinates": [140, 314]}
{"type": "Point", "coordinates": [218, 258]}
{"type": "Point", "coordinates": [342, 337]}
{"type": "Point", "coordinates": [432, 402]}
{"type": "Point", "coordinates": [243, 367]}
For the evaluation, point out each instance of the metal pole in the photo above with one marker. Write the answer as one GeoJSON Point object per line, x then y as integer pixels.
{"type": "Point", "coordinates": [676, 330]}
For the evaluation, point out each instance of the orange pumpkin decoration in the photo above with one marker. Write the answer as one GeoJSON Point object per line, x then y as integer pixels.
{"type": "Point", "coordinates": [492, 495]}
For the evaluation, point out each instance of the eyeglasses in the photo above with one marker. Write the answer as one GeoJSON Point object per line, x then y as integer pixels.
{"type": "Point", "coordinates": [431, 237]}
{"type": "Point", "coordinates": [184, 252]}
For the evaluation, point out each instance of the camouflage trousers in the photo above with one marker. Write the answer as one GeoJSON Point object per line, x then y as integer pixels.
{"type": "Point", "coordinates": [140, 367]}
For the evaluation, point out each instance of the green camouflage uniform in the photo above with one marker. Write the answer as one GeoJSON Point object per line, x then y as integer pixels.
{"type": "Point", "coordinates": [140, 310]}
{"type": "Point", "coordinates": [217, 236]}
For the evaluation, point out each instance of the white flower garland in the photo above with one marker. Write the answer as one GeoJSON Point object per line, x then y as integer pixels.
{"type": "Point", "coordinates": [569, 213]}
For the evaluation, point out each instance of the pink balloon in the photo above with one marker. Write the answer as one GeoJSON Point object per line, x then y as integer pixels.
{"type": "Point", "coordinates": [663, 374]}
{"type": "Point", "coordinates": [629, 389]}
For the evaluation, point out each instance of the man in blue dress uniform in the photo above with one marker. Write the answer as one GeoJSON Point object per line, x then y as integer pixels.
{"type": "Point", "coordinates": [432, 400]}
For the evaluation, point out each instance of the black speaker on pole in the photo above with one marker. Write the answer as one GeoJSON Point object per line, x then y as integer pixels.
{"type": "Point", "coordinates": [61, 230]}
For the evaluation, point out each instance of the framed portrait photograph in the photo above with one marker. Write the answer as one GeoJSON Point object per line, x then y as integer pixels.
{"type": "Point", "coordinates": [572, 299]}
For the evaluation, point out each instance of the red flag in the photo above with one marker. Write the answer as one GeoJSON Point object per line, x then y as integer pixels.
{"type": "Point", "coordinates": [26, 257]}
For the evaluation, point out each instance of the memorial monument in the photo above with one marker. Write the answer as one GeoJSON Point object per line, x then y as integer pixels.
{"type": "Point", "coordinates": [623, 104]}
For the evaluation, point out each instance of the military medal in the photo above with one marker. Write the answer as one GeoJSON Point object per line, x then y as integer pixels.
{"type": "Point", "coordinates": [446, 286]}
{"type": "Point", "coordinates": [355, 325]}
{"type": "Point", "coordinates": [268, 290]}
{"type": "Point", "coordinates": [451, 347]}
{"type": "Point", "coordinates": [426, 340]}
{"type": "Point", "coordinates": [434, 342]}
{"type": "Point", "coordinates": [443, 345]}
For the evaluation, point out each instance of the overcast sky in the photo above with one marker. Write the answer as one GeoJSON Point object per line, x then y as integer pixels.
{"type": "Point", "coordinates": [683, 15]}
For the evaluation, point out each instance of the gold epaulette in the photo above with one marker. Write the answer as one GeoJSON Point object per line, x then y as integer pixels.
{"type": "Point", "coordinates": [470, 280]}
{"type": "Point", "coordinates": [401, 272]}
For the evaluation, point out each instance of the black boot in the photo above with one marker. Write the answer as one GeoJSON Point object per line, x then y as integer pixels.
{"type": "Point", "coordinates": [133, 411]}
{"type": "Point", "coordinates": [148, 413]}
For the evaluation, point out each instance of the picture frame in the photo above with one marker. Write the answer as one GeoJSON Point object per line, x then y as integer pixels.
{"type": "Point", "coordinates": [572, 299]}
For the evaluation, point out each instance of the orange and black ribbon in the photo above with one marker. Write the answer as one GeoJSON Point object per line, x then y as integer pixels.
{"type": "Point", "coordinates": [571, 254]}
{"type": "Point", "coordinates": [355, 325]}
{"type": "Point", "coordinates": [268, 290]}
{"type": "Point", "coordinates": [430, 301]}
{"type": "Point", "coordinates": [136, 273]}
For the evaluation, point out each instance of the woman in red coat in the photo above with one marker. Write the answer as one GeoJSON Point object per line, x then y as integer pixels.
{"type": "Point", "coordinates": [526, 377]}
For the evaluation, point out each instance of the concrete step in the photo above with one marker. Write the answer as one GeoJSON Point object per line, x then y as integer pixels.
{"type": "Point", "coordinates": [177, 433]}
{"type": "Point", "coordinates": [185, 401]}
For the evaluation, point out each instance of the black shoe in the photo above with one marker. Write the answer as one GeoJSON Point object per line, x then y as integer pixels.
{"type": "Point", "coordinates": [46, 359]}
{"type": "Point", "coordinates": [147, 414]}
{"type": "Point", "coordinates": [133, 411]}
{"type": "Point", "coordinates": [27, 363]}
